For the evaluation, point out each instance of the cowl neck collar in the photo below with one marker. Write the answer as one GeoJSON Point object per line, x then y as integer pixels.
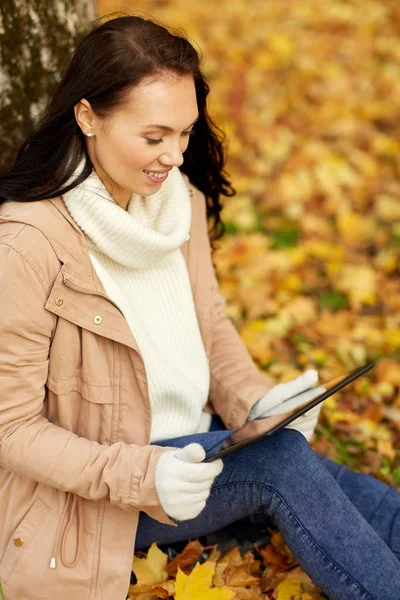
{"type": "Point", "coordinates": [143, 235]}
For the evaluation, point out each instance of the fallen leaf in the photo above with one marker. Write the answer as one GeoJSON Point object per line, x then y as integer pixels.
{"type": "Point", "coordinates": [189, 555]}
{"type": "Point", "coordinates": [271, 556]}
{"type": "Point", "coordinates": [153, 568]}
{"type": "Point", "coordinates": [242, 575]}
{"type": "Point", "coordinates": [291, 589]}
{"type": "Point", "coordinates": [196, 586]}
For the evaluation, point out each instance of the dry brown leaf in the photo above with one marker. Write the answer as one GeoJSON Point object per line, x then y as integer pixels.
{"type": "Point", "coordinates": [242, 575]}
{"type": "Point", "coordinates": [231, 558]}
{"type": "Point", "coordinates": [271, 556]}
{"type": "Point", "coordinates": [141, 592]}
{"type": "Point", "coordinates": [248, 594]}
{"type": "Point", "coordinates": [186, 559]}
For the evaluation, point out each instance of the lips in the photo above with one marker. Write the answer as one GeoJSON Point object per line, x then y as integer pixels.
{"type": "Point", "coordinates": [156, 176]}
{"type": "Point", "coordinates": [160, 174]}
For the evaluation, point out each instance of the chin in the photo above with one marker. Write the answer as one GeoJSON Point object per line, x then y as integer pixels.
{"type": "Point", "coordinates": [150, 189]}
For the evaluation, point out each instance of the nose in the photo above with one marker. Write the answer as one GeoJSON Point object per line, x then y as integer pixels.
{"type": "Point", "coordinates": [172, 157]}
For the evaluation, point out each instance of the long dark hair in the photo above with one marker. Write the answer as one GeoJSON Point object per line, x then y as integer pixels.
{"type": "Point", "coordinates": [113, 58]}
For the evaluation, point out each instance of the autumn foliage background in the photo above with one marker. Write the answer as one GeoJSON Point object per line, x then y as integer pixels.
{"type": "Point", "coordinates": [308, 94]}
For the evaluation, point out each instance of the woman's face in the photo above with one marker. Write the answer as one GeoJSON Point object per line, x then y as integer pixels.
{"type": "Point", "coordinates": [134, 149]}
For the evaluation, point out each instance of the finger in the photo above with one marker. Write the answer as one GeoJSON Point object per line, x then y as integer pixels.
{"type": "Point", "coordinates": [301, 383]}
{"type": "Point", "coordinates": [203, 472]}
{"type": "Point", "coordinates": [197, 508]}
{"type": "Point", "coordinates": [195, 497]}
{"type": "Point", "coordinates": [296, 402]}
{"type": "Point", "coordinates": [189, 492]}
{"type": "Point", "coordinates": [310, 416]}
{"type": "Point", "coordinates": [303, 398]}
{"type": "Point", "coordinates": [193, 453]}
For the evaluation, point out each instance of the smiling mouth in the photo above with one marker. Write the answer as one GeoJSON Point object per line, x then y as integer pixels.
{"type": "Point", "coordinates": [156, 175]}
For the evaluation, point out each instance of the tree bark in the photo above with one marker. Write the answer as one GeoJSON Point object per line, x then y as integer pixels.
{"type": "Point", "coordinates": [37, 38]}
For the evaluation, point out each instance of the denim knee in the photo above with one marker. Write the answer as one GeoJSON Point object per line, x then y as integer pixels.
{"type": "Point", "coordinates": [278, 461]}
{"type": "Point", "coordinates": [290, 444]}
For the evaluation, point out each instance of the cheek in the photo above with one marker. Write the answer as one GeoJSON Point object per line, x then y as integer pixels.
{"type": "Point", "coordinates": [125, 152]}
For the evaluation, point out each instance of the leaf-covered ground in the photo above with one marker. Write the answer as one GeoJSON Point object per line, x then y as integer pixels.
{"type": "Point", "coordinates": [308, 95]}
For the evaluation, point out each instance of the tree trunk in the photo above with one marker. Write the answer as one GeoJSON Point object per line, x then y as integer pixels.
{"type": "Point", "coordinates": [37, 38]}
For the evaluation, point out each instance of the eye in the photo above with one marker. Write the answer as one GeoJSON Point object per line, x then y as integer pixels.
{"type": "Point", "coordinates": [152, 141]}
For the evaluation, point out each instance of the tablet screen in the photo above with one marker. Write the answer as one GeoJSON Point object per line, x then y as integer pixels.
{"type": "Point", "coordinates": [254, 431]}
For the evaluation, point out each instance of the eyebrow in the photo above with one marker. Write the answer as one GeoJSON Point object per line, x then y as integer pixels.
{"type": "Point", "coordinates": [166, 128]}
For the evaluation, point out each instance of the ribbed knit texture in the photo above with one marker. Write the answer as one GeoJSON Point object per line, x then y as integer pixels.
{"type": "Point", "coordinates": [136, 254]}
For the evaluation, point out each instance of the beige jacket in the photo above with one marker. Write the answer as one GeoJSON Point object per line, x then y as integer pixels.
{"type": "Point", "coordinates": [76, 467]}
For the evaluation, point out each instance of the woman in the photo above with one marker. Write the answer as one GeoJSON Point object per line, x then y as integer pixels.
{"type": "Point", "coordinates": [115, 349]}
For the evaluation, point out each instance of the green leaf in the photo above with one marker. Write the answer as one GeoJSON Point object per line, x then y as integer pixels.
{"type": "Point", "coordinates": [343, 456]}
{"type": "Point", "coordinates": [231, 228]}
{"type": "Point", "coordinates": [268, 364]}
{"type": "Point", "coordinates": [284, 238]}
{"type": "Point", "coordinates": [1, 592]}
{"type": "Point", "coordinates": [333, 301]}
{"type": "Point", "coordinates": [385, 467]}
{"type": "Point", "coordinates": [394, 239]}
{"type": "Point", "coordinates": [259, 224]}
{"type": "Point", "coordinates": [396, 475]}
{"type": "Point", "coordinates": [298, 338]}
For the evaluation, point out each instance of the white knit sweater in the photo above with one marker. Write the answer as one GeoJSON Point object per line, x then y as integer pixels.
{"type": "Point", "coordinates": [137, 256]}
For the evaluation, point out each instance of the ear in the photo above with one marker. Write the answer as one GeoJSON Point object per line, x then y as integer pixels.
{"type": "Point", "coordinates": [84, 116]}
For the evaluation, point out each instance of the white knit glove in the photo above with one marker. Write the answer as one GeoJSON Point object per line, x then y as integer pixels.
{"type": "Point", "coordinates": [183, 481]}
{"type": "Point", "coordinates": [285, 397]}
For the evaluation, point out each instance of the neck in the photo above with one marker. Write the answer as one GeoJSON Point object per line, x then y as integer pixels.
{"type": "Point", "coordinates": [117, 193]}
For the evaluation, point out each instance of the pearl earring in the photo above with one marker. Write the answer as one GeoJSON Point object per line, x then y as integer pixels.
{"type": "Point", "coordinates": [89, 134]}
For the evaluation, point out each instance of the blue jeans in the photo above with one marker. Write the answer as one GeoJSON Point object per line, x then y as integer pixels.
{"type": "Point", "coordinates": [342, 527]}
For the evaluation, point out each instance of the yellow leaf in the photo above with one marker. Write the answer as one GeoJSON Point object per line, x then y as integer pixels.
{"type": "Point", "coordinates": [342, 417]}
{"type": "Point", "coordinates": [153, 568]}
{"type": "Point", "coordinates": [387, 208]}
{"type": "Point", "coordinates": [196, 586]}
{"type": "Point", "coordinates": [291, 589]}
{"type": "Point", "coordinates": [291, 283]}
{"type": "Point", "coordinates": [392, 338]}
{"type": "Point", "coordinates": [324, 250]}
{"type": "Point", "coordinates": [302, 310]}
{"type": "Point", "coordinates": [360, 283]}
{"type": "Point", "coordinates": [355, 228]}
{"type": "Point", "coordinates": [385, 447]}
{"type": "Point", "coordinates": [281, 45]}
{"type": "Point", "coordinates": [387, 260]}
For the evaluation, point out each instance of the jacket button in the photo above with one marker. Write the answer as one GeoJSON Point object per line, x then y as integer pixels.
{"type": "Point", "coordinates": [18, 542]}
{"type": "Point", "coordinates": [97, 320]}
{"type": "Point", "coordinates": [59, 301]}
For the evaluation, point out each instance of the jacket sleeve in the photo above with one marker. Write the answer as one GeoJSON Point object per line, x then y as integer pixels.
{"type": "Point", "coordinates": [32, 446]}
{"type": "Point", "coordinates": [236, 382]}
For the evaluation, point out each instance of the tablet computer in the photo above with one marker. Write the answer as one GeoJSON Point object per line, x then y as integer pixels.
{"type": "Point", "coordinates": [258, 429]}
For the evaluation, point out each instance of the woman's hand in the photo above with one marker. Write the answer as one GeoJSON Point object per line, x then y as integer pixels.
{"type": "Point", "coordinates": [285, 397]}
{"type": "Point", "coordinates": [183, 481]}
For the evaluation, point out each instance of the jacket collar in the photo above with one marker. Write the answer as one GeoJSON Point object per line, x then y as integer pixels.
{"type": "Point", "coordinates": [66, 238]}
{"type": "Point", "coordinates": [68, 241]}
{"type": "Point", "coordinates": [52, 218]}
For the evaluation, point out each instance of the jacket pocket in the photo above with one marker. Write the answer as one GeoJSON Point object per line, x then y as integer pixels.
{"type": "Point", "coordinates": [21, 541]}
{"type": "Point", "coordinates": [96, 394]}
